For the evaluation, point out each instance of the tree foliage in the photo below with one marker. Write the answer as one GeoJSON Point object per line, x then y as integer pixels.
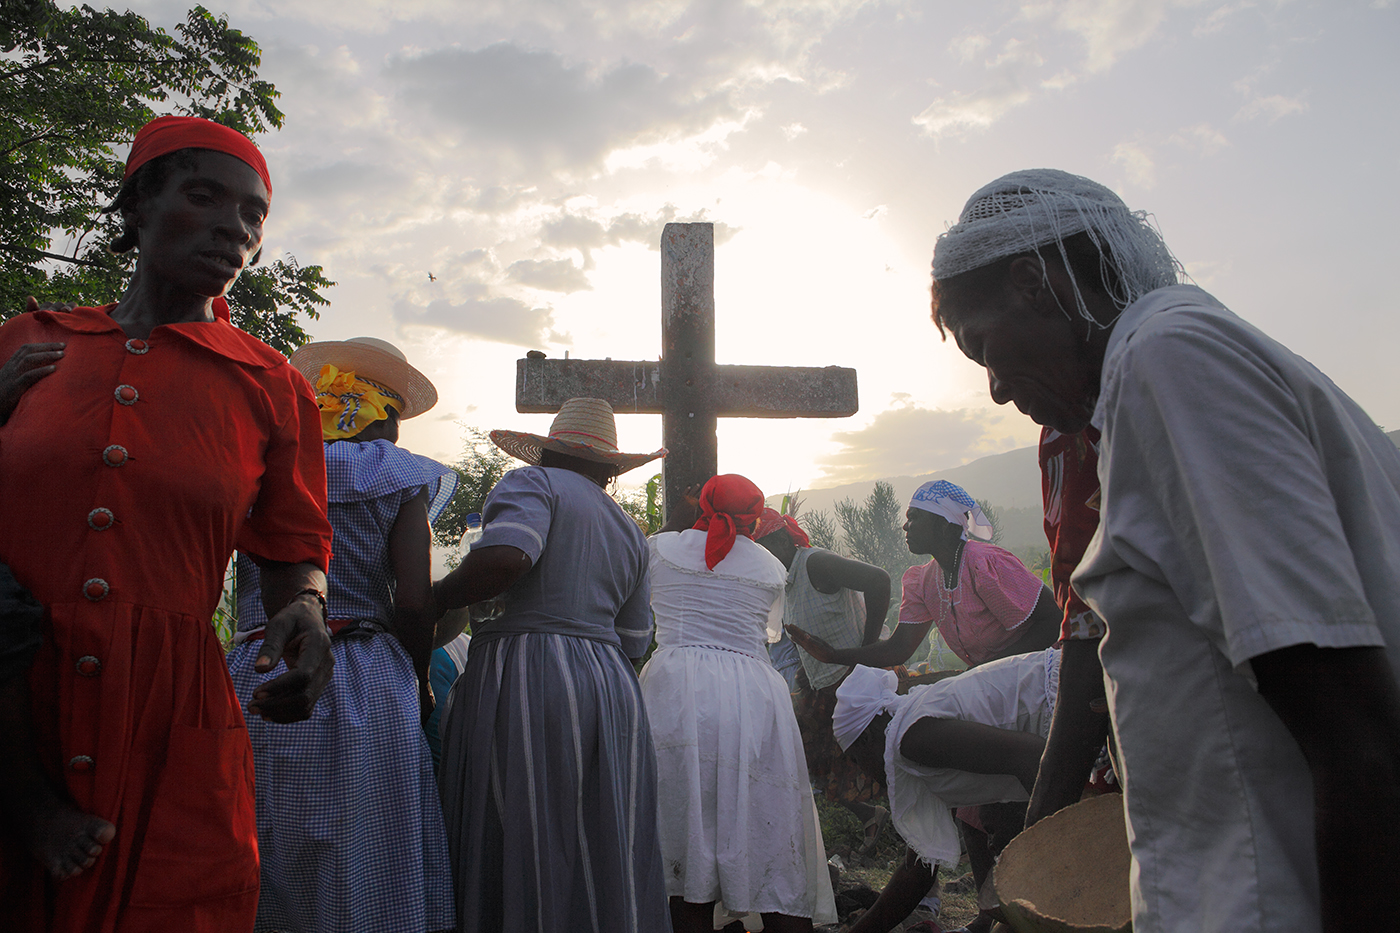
{"type": "Point", "coordinates": [873, 530]}
{"type": "Point", "coordinates": [480, 467]}
{"type": "Point", "coordinates": [821, 530]}
{"type": "Point", "coordinates": [644, 505]}
{"type": "Point", "coordinates": [75, 86]}
{"type": "Point", "coordinates": [993, 516]}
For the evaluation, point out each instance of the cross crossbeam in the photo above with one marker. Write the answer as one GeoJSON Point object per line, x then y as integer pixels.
{"type": "Point", "coordinates": [686, 386]}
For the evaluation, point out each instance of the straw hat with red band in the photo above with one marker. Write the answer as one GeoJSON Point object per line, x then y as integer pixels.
{"type": "Point", "coordinates": [584, 428]}
{"type": "Point", "coordinates": [370, 358]}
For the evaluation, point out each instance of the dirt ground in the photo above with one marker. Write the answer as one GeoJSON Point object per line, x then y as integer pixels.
{"type": "Point", "coordinates": [841, 833]}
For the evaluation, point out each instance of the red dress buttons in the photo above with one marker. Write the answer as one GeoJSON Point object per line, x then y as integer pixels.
{"type": "Point", "coordinates": [96, 589]}
{"type": "Point", "coordinates": [114, 455]}
{"type": "Point", "coordinates": [101, 519]}
{"type": "Point", "coordinates": [138, 346]}
{"type": "Point", "coordinates": [89, 666]}
{"type": "Point", "coordinates": [127, 395]}
{"type": "Point", "coordinates": [81, 764]}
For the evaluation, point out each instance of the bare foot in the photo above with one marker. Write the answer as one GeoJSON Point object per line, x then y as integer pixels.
{"type": "Point", "coordinates": [65, 840]}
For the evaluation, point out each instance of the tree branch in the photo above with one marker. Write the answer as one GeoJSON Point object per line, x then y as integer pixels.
{"type": "Point", "coordinates": [41, 254]}
{"type": "Point", "coordinates": [34, 139]}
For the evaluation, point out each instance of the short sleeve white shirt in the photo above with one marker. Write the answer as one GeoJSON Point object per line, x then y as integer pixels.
{"type": "Point", "coordinates": [1247, 505]}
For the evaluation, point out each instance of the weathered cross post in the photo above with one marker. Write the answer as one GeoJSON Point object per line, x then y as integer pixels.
{"type": "Point", "coordinates": [687, 388]}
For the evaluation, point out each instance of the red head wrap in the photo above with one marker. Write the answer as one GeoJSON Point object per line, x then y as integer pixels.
{"type": "Point", "coordinates": [165, 135]}
{"type": "Point", "coordinates": [772, 520]}
{"type": "Point", "coordinates": [729, 506]}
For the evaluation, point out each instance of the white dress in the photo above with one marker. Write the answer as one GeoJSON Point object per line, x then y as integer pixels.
{"type": "Point", "coordinates": [1016, 693]}
{"type": "Point", "coordinates": [737, 819]}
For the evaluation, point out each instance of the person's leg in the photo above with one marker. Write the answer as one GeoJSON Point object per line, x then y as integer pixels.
{"type": "Point", "coordinates": [65, 840]}
{"type": "Point", "coordinates": [872, 821]}
{"type": "Point", "coordinates": [694, 918]}
{"type": "Point", "coordinates": [783, 923]}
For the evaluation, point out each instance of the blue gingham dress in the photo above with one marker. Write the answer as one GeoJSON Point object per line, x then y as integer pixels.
{"type": "Point", "coordinates": [350, 829]}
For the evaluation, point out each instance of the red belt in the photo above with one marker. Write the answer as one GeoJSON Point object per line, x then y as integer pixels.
{"type": "Point", "coordinates": [335, 625]}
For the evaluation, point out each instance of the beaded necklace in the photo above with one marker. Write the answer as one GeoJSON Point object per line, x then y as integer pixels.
{"type": "Point", "coordinates": [948, 583]}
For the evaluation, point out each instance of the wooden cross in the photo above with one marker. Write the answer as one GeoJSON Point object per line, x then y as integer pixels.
{"type": "Point", "coordinates": [687, 387]}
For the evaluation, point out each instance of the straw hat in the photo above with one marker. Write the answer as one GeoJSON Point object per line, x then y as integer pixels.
{"type": "Point", "coordinates": [372, 358]}
{"type": "Point", "coordinates": [584, 428]}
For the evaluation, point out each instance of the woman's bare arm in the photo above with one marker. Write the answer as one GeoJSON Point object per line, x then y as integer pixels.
{"type": "Point", "coordinates": [483, 573]}
{"type": "Point", "coordinates": [410, 557]}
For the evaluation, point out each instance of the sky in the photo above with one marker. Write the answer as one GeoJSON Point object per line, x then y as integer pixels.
{"type": "Point", "coordinates": [527, 154]}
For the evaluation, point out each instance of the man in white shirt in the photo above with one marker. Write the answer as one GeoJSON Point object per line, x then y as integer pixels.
{"type": "Point", "coordinates": [1247, 562]}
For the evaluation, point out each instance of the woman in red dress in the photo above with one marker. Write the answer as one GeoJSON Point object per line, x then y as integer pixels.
{"type": "Point", "coordinates": [141, 443]}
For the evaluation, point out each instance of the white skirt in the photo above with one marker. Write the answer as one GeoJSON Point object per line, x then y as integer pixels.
{"type": "Point", "coordinates": [737, 819]}
{"type": "Point", "coordinates": [1016, 694]}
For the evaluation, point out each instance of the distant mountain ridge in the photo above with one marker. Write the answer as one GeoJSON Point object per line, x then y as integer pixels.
{"type": "Point", "coordinates": [1009, 481]}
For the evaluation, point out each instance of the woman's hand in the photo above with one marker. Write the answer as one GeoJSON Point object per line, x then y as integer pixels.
{"type": "Point", "coordinates": [818, 649]}
{"type": "Point", "coordinates": [28, 365]}
{"type": "Point", "coordinates": [686, 512]}
{"type": "Point", "coordinates": [31, 304]}
{"type": "Point", "coordinates": [297, 635]}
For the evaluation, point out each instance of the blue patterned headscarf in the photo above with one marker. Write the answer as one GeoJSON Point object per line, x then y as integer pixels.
{"type": "Point", "coordinates": [953, 503]}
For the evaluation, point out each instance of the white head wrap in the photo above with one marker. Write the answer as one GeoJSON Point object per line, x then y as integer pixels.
{"type": "Point", "coordinates": [864, 694]}
{"type": "Point", "coordinates": [952, 502]}
{"type": "Point", "coordinates": [1024, 211]}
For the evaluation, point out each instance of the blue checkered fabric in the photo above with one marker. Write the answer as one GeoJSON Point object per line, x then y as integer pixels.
{"type": "Point", "coordinates": [366, 484]}
{"type": "Point", "coordinates": [350, 829]}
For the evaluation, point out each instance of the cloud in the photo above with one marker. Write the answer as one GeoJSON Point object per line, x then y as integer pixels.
{"type": "Point", "coordinates": [1111, 28]}
{"type": "Point", "coordinates": [1216, 19]}
{"type": "Point", "coordinates": [1007, 87]}
{"type": "Point", "coordinates": [1271, 108]}
{"type": "Point", "coordinates": [586, 233]}
{"type": "Point", "coordinates": [908, 440]}
{"type": "Point", "coordinates": [534, 111]}
{"type": "Point", "coordinates": [497, 318]}
{"type": "Point", "coordinates": [1137, 162]}
{"type": "Point", "coordinates": [553, 275]}
{"type": "Point", "coordinates": [1201, 138]}
{"type": "Point", "coordinates": [966, 48]}
{"type": "Point", "coordinates": [1257, 104]}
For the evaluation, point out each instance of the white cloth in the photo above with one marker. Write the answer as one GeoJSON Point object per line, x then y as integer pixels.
{"type": "Point", "coordinates": [1248, 505]}
{"type": "Point", "coordinates": [1015, 693]}
{"type": "Point", "coordinates": [867, 693]}
{"type": "Point", "coordinates": [952, 502]}
{"type": "Point", "coordinates": [1026, 211]}
{"type": "Point", "coordinates": [737, 821]}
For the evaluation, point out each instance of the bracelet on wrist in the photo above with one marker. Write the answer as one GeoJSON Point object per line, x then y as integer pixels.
{"type": "Point", "coordinates": [320, 598]}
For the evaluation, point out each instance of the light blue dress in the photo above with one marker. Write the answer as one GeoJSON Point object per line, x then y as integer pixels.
{"type": "Point", "coordinates": [357, 844]}
{"type": "Point", "coordinates": [548, 772]}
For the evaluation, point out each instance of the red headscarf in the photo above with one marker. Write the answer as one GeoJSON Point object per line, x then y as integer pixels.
{"type": "Point", "coordinates": [729, 506]}
{"type": "Point", "coordinates": [771, 520]}
{"type": "Point", "coordinates": [165, 135]}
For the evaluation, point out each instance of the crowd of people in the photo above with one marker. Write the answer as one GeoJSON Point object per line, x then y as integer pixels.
{"type": "Point", "coordinates": [1219, 641]}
